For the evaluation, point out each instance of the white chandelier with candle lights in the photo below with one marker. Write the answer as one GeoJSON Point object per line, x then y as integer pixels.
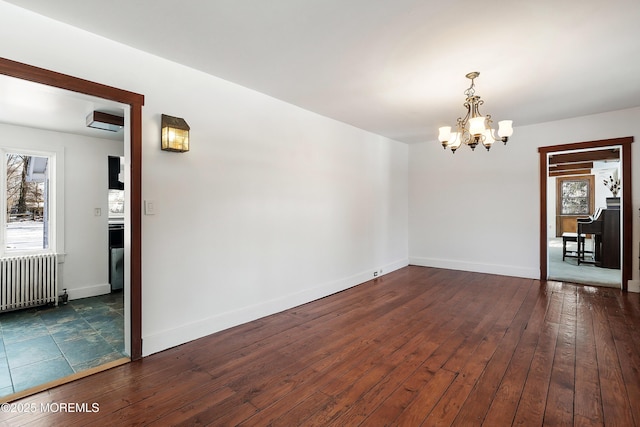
{"type": "Point", "coordinates": [474, 128]}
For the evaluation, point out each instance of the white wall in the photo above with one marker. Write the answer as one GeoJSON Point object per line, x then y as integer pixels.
{"type": "Point", "coordinates": [273, 206]}
{"type": "Point", "coordinates": [602, 192]}
{"type": "Point", "coordinates": [479, 211]}
{"type": "Point", "coordinates": [83, 237]}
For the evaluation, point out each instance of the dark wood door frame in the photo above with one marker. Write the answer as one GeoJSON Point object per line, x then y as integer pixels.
{"type": "Point", "coordinates": [136, 101]}
{"type": "Point", "coordinates": [627, 219]}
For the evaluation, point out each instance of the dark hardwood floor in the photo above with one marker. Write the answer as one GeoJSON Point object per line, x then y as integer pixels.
{"type": "Point", "coordinates": [419, 346]}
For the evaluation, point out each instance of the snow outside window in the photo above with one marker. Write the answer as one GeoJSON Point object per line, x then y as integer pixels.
{"type": "Point", "coordinates": [26, 203]}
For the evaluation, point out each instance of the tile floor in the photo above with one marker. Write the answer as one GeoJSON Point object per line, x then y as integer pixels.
{"type": "Point", "coordinates": [42, 344]}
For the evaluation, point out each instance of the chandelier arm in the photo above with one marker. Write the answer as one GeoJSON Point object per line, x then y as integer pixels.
{"type": "Point", "coordinates": [491, 130]}
{"type": "Point", "coordinates": [474, 121]}
{"type": "Point", "coordinates": [462, 122]}
{"type": "Point", "coordinates": [467, 138]}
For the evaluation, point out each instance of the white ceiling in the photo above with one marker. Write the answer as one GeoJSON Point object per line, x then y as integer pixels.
{"type": "Point", "coordinates": [30, 104]}
{"type": "Point", "coordinates": [393, 67]}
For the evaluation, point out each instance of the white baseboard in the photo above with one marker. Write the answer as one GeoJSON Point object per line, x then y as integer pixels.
{"type": "Point", "coordinates": [502, 270]}
{"type": "Point", "coordinates": [633, 286]}
{"type": "Point", "coordinates": [88, 291]}
{"type": "Point", "coordinates": [163, 340]}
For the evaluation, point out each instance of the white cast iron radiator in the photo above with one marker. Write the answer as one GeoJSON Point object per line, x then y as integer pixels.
{"type": "Point", "coordinates": [28, 281]}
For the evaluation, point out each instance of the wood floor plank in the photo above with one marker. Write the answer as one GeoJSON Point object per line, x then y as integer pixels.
{"type": "Point", "coordinates": [533, 400]}
{"type": "Point", "coordinates": [391, 408]}
{"type": "Point", "coordinates": [318, 403]}
{"type": "Point", "coordinates": [629, 357]}
{"type": "Point", "coordinates": [477, 404]}
{"type": "Point", "coordinates": [339, 370]}
{"type": "Point", "coordinates": [587, 400]}
{"type": "Point", "coordinates": [559, 409]}
{"type": "Point", "coordinates": [503, 407]}
{"type": "Point", "coordinates": [488, 335]}
{"type": "Point", "coordinates": [426, 399]}
{"type": "Point", "coordinates": [615, 400]}
{"type": "Point", "coordinates": [337, 364]}
{"type": "Point", "coordinates": [199, 409]}
{"type": "Point", "coordinates": [419, 346]}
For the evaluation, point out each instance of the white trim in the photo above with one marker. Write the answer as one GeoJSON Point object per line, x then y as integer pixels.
{"type": "Point", "coordinates": [3, 200]}
{"type": "Point", "coordinates": [168, 338]}
{"type": "Point", "coordinates": [88, 291]}
{"type": "Point", "coordinates": [502, 270]}
{"type": "Point", "coordinates": [633, 286]}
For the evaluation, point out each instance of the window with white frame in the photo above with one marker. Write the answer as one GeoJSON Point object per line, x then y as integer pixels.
{"type": "Point", "coordinates": [26, 202]}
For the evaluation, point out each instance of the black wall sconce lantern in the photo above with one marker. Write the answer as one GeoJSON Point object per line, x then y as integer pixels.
{"type": "Point", "coordinates": [175, 134]}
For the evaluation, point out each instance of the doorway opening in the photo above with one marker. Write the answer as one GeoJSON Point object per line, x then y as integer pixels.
{"type": "Point", "coordinates": [133, 152]}
{"type": "Point", "coordinates": [585, 231]}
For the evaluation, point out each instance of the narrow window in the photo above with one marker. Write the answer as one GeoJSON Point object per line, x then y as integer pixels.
{"type": "Point", "coordinates": [27, 207]}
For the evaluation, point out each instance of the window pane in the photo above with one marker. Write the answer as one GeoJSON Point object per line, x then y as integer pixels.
{"type": "Point", "coordinates": [575, 197]}
{"type": "Point", "coordinates": [575, 206]}
{"type": "Point", "coordinates": [575, 189]}
{"type": "Point", "coordinates": [27, 203]}
{"type": "Point", "coordinates": [116, 203]}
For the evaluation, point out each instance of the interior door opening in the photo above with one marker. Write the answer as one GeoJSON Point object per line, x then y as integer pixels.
{"type": "Point", "coordinates": [132, 171]}
{"type": "Point", "coordinates": [584, 226]}
{"type": "Point", "coordinates": [582, 223]}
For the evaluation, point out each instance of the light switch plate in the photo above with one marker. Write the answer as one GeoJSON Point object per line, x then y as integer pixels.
{"type": "Point", "coordinates": [149, 207]}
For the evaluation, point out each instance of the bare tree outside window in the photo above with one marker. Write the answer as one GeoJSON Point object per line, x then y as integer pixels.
{"type": "Point", "coordinates": [26, 203]}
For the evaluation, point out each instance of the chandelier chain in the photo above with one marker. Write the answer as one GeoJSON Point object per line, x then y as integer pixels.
{"type": "Point", "coordinates": [470, 90]}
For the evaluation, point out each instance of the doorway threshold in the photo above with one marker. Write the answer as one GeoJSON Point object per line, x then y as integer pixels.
{"type": "Point", "coordinates": [64, 380]}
